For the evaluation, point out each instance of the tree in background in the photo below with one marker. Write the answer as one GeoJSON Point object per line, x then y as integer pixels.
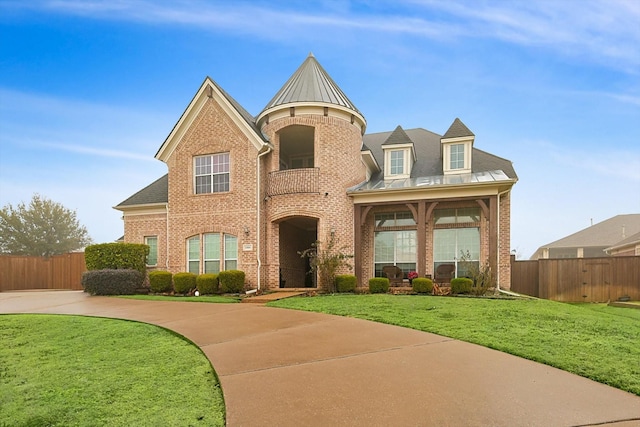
{"type": "Point", "coordinates": [43, 228]}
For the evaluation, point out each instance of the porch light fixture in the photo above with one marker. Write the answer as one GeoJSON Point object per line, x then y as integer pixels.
{"type": "Point", "coordinates": [332, 231]}
{"type": "Point", "coordinates": [246, 231]}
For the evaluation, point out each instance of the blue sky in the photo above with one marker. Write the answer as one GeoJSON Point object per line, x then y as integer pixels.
{"type": "Point", "coordinates": [90, 89]}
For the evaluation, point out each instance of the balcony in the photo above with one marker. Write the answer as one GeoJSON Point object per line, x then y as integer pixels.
{"type": "Point", "coordinates": [293, 181]}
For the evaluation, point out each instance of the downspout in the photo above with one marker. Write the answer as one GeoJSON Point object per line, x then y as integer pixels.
{"type": "Point", "coordinates": [498, 253]}
{"type": "Point", "coordinates": [266, 149]}
{"type": "Point", "coordinates": [166, 238]}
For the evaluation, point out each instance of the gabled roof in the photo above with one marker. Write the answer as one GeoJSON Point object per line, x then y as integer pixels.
{"type": "Point", "coordinates": [310, 83]}
{"type": "Point", "coordinates": [210, 89]}
{"type": "Point", "coordinates": [155, 193]}
{"type": "Point", "coordinates": [398, 136]}
{"type": "Point", "coordinates": [457, 130]}
{"type": "Point", "coordinates": [606, 233]}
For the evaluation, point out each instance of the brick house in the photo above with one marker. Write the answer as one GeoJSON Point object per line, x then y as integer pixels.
{"type": "Point", "coordinates": [250, 193]}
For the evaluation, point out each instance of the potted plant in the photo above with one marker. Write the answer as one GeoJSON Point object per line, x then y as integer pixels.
{"type": "Point", "coordinates": [412, 275]}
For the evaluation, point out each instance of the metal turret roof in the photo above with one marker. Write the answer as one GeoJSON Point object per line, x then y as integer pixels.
{"type": "Point", "coordinates": [311, 83]}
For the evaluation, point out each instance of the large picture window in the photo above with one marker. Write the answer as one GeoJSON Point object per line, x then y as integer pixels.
{"type": "Point", "coordinates": [218, 252]}
{"type": "Point", "coordinates": [211, 173]}
{"type": "Point", "coordinates": [456, 242]}
{"type": "Point", "coordinates": [395, 242]}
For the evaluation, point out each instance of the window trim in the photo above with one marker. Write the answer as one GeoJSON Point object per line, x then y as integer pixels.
{"type": "Point", "coordinates": [447, 156]}
{"type": "Point", "coordinates": [146, 242]}
{"type": "Point", "coordinates": [407, 157]}
{"type": "Point", "coordinates": [202, 245]}
{"type": "Point", "coordinates": [212, 174]}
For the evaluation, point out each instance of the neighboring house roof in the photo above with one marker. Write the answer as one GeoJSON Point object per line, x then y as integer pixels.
{"type": "Point", "coordinates": [629, 241]}
{"type": "Point", "coordinates": [155, 193]}
{"type": "Point", "coordinates": [457, 130]}
{"type": "Point", "coordinates": [311, 83]}
{"type": "Point", "coordinates": [603, 234]}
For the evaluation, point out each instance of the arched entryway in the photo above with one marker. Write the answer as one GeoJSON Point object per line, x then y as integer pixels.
{"type": "Point", "coordinates": [296, 234]}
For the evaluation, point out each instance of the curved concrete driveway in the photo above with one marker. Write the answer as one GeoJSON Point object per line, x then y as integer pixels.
{"type": "Point", "coordinates": [288, 368]}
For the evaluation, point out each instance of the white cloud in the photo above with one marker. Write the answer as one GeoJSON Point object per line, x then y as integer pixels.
{"type": "Point", "coordinates": [602, 31]}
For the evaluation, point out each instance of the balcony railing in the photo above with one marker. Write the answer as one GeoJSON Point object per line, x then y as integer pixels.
{"type": "Point", "coordinates": [293, 181]}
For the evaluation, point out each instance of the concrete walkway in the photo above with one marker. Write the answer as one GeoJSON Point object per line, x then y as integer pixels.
{"type": "Point", "coordinates": [288, 368]}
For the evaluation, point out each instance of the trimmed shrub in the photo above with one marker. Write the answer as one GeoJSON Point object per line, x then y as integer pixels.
{"type": "Point", "coordinates": [184, 282]}
{"type": "Point", "coordinates": [207, 284]}
{"type": "Point", "coordinates": [160, 281]}
{"type": "Point", "coordinates": [345, 283]}
{"type": "Point", "coordinates": [231, 281]}
{"type": "Point", "coordinates": [112, 282]}
{"type": "Point", "coordinates": [461, 285]}
{"type": "Point", "coordinates": [422, 285]}
{"type": "Point", "coordinates": [378, 285]}
{"type": "Point", "coordinates": [116, 256]}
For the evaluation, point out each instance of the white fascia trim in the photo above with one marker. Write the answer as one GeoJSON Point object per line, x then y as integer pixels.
{"type": "Point", "coordinates": [145, 209]}
{"type": "Point", "coordinates": [370, 161]}
{"type": "Point", "coordinates": [192, 111]}
{"type": "Point", "coordinates": [457, 139]}
{"type": "Point", "coordinates": [432, 192]}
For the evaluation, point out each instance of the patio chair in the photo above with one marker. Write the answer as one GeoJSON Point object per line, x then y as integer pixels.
{"type": "Point", "coordinates": [444, 273]}
{"type": "Point", "coordinates": [394, 274]}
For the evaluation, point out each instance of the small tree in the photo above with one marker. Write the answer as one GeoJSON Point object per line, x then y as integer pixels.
{"type": "Point", "coordinates": [481, 275]}
{"type": "Point", "coordinates": [43, 228]}
{"type": "Point", "coordinates": [326, 260]}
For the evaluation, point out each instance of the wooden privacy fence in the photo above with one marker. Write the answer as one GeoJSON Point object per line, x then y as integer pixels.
{"type": "Point", "coordinates": [27, 272]}
{"type": "Point", "coordinates": [578, 279]}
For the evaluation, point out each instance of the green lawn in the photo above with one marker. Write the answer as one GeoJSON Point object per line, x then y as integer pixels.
{"type": "Point", "coordinates": [81, 371]}
{"type": "Point", "coordinates": [595, 341]}
{"type": "Point", "coordinates": [217, 299]}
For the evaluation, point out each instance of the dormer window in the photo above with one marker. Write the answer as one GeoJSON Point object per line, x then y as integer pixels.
{"type": "Point", "coordinates": [399, 155]}
{"type": "Point", "coordinates": [457, 148]}
{"type": "Point", "coordinates": [398, 162]}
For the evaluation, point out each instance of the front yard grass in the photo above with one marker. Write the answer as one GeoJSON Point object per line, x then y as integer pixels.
{"type": "Point", "coordinates": [592, 340]}
{"type": "Point", "coordinates": [60, 370]}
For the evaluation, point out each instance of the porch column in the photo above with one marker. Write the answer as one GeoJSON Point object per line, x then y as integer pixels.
{"type": "Point", "coordinates": [357, 239]}
{"type": "Point", "coordinates": [422, 238]}
{"type": "Point", "coordinates": [493, 234]}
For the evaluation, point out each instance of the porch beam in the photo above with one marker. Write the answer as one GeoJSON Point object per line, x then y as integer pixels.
{"type": "Point", "coordinates": [485, 208]}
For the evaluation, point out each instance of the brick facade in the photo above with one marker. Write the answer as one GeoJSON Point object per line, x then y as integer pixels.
{"type": "Point", "coordinates": [293, 207]}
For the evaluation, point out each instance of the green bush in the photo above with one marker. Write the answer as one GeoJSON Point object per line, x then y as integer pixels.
{"type": "Point", "coordinates": [160, 281]}
{"type": "Point", "coordinates": [231, 281]}
{"type": "Point", "coordinates": [207, 284]}
{"type": "Point", "coordinates": [112, 282]}
{"type": "Point", "coordinates": [422, 285]}
{"type": "Point", "coordinates": [378, 285]}
{"type": "Point", "coordinates": [116, 256]}
{"type": "Point", "coordinates": [346, 282]}
{"type": "Point", "coordinates": [461, 285]}
{"type": "Point", "coordinates": [184, 282]}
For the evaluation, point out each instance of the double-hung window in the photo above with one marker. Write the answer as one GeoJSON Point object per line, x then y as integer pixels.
{"type": "Point", "coordinates": [397, 162]}
{"type": "Point", "coordinates": [457, 156]}
{"type": "Point", "coordinates": [211, 173]}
